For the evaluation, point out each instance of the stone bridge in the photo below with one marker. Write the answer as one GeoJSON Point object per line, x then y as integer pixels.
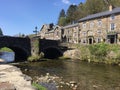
{"type": "Point", "coordinates": [24, 47]}
{"type": "Point", "coordinates": [51, 48]}
{"type": "Point", "coordinates": [21, 46]}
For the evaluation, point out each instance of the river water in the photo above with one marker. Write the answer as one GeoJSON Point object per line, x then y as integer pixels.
{"type": "Point", "coordinates": [89, 76]}
{"type": "Point", "coordinates": [7, 56]}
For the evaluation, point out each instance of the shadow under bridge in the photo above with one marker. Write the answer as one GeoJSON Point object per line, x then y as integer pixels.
{"type": "Point", "coordinates": [52, 52]}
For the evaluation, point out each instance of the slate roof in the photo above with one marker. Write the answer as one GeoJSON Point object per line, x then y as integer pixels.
{"type": "Point", "coordinates": [72, 25]}
{"type": "Point", "coordinates": [101, 14]}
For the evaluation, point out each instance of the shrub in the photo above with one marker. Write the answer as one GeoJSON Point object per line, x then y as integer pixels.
{"type": "Point", "coordinates": [99, 50]}
{"type": "Point", "coordinates": [36, 57]}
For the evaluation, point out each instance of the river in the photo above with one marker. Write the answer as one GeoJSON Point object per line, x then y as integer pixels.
{"type": "Point", "coordinates": [89, 76]}
{"type": "Point", "coordinates": [7, 56]}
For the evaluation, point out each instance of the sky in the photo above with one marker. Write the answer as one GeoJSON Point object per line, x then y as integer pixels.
{"type": "Point", "coordinates": [22, 16]}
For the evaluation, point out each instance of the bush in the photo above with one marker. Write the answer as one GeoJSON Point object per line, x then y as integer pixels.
{"type": "Point", "coordinates": [36, 57]}
{"type": "Point", "coordinates": [84, 53]}
{"type": "Point", "coordinates": [99, 50]}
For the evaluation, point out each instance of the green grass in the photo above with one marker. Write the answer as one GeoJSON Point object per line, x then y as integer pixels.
{"type": "Point", "coordinates": [5, 49]}
{"type": "Point", "coordinates": [100, 53]}
{"type": "Point", "coordinates": [39, 87]}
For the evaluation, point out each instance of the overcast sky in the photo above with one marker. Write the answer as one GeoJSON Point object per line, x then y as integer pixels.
{"type": "Point", "coordinates": [21, 16]}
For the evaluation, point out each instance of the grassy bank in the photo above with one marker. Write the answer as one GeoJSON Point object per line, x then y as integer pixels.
{"type": "Point", "coordinates": [100, 53]}
{"type": "Point", "coordinates": [5, 49]}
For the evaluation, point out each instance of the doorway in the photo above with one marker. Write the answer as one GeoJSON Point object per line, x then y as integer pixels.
{"type": "Point", "coordinates": [112, 39]}
{"type": "Point", "coordinates": [90, 41]}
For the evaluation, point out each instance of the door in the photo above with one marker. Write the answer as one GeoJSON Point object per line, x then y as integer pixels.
{"type": "Point", "coordinates": [90, 40]}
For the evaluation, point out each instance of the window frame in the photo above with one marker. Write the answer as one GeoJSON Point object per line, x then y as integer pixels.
{"type": "Point", "coordinates": [112, 17]}
{"type": "Point", "coordinates": [84, 25]}
{"type": "Point", "coordinates": [99, 22]}
{"type": "Point", "coordinates": [112, 26]}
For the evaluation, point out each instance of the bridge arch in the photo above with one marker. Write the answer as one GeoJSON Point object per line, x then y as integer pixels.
{"type": "Point", "coordinates": [52, 52]}
{"type": "Point", "coordinates": [20, 53]}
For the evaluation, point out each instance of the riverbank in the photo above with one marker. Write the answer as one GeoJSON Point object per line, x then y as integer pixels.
{"type": "Point", "coordinates": [69, 74]}
{"type": "Point", "coordinates": [11, 78]}
{"type": "Point", "coordinates": [99, 53]}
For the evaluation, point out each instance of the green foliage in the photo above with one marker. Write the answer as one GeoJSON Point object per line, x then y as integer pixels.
{"type": "Point", "coordinates": [99, 50]}
{"type": "Point", "coordinates": [84, 52]}
{"type": "Point", "coordinates": [35, 57]}
{"type": "Point", "coordinates": [62, 18]}
{"type": "Point", "coordinates": [71, 13]}
{"type": "Point", "coordinates": [62, 21]}
{"type": "Point", "coordinates": [39, 87]}
{"type": "Point", "coordinates": [100, 53]}
{"type": "Point", "coordinates": [62, 13]}
{"type": "Point", "coordinates": [36, 43]}
{"type": "Point", "coordinates": [64, 58]}
{"type": "Point", "coordinates": [31, 35]}
{"type": "Point", "coordinates": [5, 49]}
{"type": "Point", "coordinates": [1, 33]}
{"type": "Point", "coordinates": [74, 12]}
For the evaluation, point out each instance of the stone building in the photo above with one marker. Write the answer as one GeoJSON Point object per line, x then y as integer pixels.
{"type": "Point", "coordinates": [50, 31]}
{"type": "Point", "coordinates": [71, 33]}
{"type": "Point", "coordinates": [101, 27]}
{"type": "Point", "coordinates": [95, 28]}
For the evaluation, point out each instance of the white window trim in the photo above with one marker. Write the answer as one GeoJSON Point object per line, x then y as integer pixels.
{"type": "Point", "coordinates": [84, 25]}
{"type": "Point", "coordinates": [99, 31]}
{"type": "Point", "coordinates": [91, 24]}
{"type": "Point", "coordinates": [112, 17]}
{"type": "Point", "coordinates": [113, 27]}
{"type": "Point", "coordinates": [99, 23]}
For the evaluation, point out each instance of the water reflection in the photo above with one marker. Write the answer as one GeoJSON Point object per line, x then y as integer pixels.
{"type": "Point", "coordinates": [7, 56]}
{"type": "Point", "coordinates": [89, 76]}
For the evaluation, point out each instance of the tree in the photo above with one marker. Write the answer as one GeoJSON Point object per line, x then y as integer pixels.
{"type": "Point", "coordinates": [62, 21]}
{"type": "Point", "coordinates": [61, 16]}
{"type": "Point", "coordinates": [71, 13]}
{"type": "Point", "coordinates": [94, 6]}
{"type": "Point", "coordinates": [79, 13]}
{"type": "Point", "coordinates": [75, 12]}
{"type": "Point", "coordinates": [1, 33]}
{"type": "Point", "coordinates": [115, 3]}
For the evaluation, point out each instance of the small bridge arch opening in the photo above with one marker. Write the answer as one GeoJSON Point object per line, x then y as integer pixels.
{"type": "Point", "coordinates": [52, 52]}
{"type": "Point", "coordinates": [20, 53]}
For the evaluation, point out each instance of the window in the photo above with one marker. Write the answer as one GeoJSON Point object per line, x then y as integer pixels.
{"type": "Point", "coordinates": [91, 24]}
{"type": "Point", "coordinates": [99, 22]}
{"type": "Point", "coordinates": [84, 25]}
{"type": "Point", "coordinates": [99, 32]}
{"type": "Point", "coordinates": [84, 40]}
{"type": "Point", "coordinates": [99, 40]}
{"type": "Point", "coordinates": [57, 33]}
{"type": "Point", "coordinates": [90, 33]}
{"type": "Point", "coordinates": [84, 33]}
{"type": "Point", "coordinates": [112, 17]}
{"type": "Point", "coordinates": [112, 26]}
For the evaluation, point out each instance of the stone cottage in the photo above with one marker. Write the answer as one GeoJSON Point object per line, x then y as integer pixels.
{"type": "Point", "coordinates": [50, 31]}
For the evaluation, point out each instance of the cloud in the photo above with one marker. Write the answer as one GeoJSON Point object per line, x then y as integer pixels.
{"type": "Point", "coordinates": [66, 1]}
{"type": "Point", "coordinates": [56, 4]}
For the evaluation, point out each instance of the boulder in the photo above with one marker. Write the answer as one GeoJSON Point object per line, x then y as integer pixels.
{"type": "Point", "coordinates": [2, 61]}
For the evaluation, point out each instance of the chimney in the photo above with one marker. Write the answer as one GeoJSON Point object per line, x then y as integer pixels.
{"type": "Point", "coordinates": [110, 7]}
